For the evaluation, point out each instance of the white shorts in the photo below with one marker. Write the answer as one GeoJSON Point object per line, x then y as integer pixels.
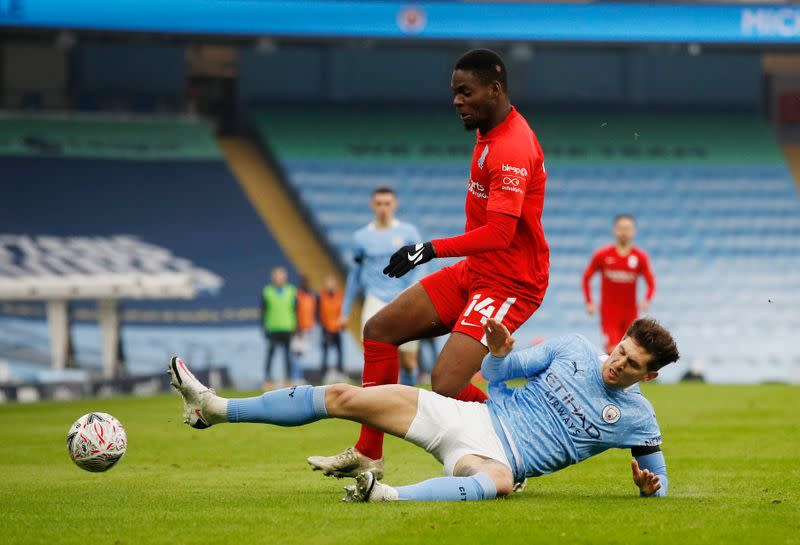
{"type": "Point", "coordinates": [371, 307]}
{"type": "Point", "coordinates": [451, 429]}
{"type": "Point", "coordinates": [301, 342]}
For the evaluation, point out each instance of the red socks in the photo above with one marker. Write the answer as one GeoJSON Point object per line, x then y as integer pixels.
{"type": "Point", "coordinates": [381, 366]}
{"type": "Point", "coordinates": [472, 393]}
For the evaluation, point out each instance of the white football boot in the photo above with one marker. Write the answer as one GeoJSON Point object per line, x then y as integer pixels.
{"type": "Point", "coordinates": [368, 489]}
{"type": "Point", "coordinates": [202, 408]}
{"type": "Point", "coordinates": [349, 463]}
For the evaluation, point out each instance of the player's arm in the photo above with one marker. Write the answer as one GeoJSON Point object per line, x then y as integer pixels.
{"type": "Point", "coordinates": [501, 364]}
{"type": "Point", "coordinates": [591, 268]}
{"type": "Point", "coordinates": [353, 285]}
{"type": "Point", "coordinates": [496, 234]}
{"type": "Point", "coordinates": [507, 191]}
{"type": "Point", "coordinates": [650, 279]}
{"type": "Point", "coordinates": [649, 470]}
{"type": "Point", "coordinates": [503, 210]}
{"type": "Point", "coordinates": [296, 312]}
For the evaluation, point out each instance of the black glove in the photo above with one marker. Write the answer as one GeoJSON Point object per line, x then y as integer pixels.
{"type": "Point", "coordinates": [408, 257]}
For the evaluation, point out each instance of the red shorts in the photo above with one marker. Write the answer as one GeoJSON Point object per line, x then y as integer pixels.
{"type": "Point", "coordinates": [614, 325]}
{"type": "Point", "coordinates": [465, 302]}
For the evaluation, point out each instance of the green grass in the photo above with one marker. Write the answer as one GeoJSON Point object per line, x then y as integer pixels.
{"type": "Point", "coordinates": [732, 453]}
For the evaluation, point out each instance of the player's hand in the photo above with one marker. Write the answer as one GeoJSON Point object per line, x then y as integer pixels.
{"type": "Point", "coordinates": [408, 257]}
{"type": "Point", "coordinates": [590, 310]}
{"type": "Point", "coordinates": [647, 481]}
{"type": "Point", "coordinates": [498, 339]}
{"type": "Point", "coordinates": [344, 321]}
{"type": "Point", "coordinates": [644, 305]}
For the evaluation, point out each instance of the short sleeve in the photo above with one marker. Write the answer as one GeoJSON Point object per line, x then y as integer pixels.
{"type": "Point", "coordinates": [646, 432]}
{"type": "Point", "coordinates": [509, 175]}
{"type": "Point", "coordinates": [357, 246]}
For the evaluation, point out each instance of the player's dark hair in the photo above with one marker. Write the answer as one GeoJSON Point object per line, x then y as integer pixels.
{"type": "Point", "coordinates": [656, 340]}
{"type": "Point", "coordinates": [383, 189]}
{"type": "Point", "coordinates": [486, 64]}
{"type": "Point", "coordinates": [622, 217]}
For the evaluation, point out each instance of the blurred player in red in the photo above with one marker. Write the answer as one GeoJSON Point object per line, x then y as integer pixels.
{"type": "Point", "coordinates": [621, 265]}
{"type": "Point", "coordinates": [504, 275]}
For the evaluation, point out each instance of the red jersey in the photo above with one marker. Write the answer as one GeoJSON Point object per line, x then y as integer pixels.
{"type": "Point", "coordinates": [620, 273]}
{"type": "Point", "coordinates": [507, 175]}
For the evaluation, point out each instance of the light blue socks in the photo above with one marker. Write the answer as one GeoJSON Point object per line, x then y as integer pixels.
{"type": "Point", "coordinates": [409, 378]}
{"type": "Point", "coordinates": [293, 406]}
{"type": "Point", "coordinates": [478, 487]}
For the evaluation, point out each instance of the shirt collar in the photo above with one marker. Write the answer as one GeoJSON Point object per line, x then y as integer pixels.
{"type": "Point", "coordinates": [374, 227]}
{"type": "Point", "coordinates": [512, 113]}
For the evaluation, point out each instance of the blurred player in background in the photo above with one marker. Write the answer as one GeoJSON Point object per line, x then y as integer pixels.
{"type": "Point", "coordinates": [279, 320]}
{"type": "Point", "coordinates": [575, 404]}
{"type": "Point", "coordinates": [373, 244]}
{"type": "Point", "coordinates": [330, 311]}
{"type": "Point", "coordinates": [306, 315]}
{"type": "Point", "coordinates": [504, 277]}
{"type": "Point", "coordinates": [621, 264]}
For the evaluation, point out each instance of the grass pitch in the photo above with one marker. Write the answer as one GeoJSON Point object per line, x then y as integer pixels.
{"type": "Point", "coordinates": [732, 455]}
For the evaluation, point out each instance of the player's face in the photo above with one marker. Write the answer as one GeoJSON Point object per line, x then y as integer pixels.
{"type": "Point", "coordinates": [384, 205]}
{"type": "Point", "coordinates": [626, 365]}
{"type": "Point", "coordinates": [474, 100]}
{"type": "Point", "coordinates": [279, 276]}
{"type": "Point", "coordinates": [624, 230]}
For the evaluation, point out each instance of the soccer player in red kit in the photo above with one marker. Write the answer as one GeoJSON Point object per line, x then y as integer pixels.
{"type": "Point", "coordinates": [504, 275]}
{"type": "Point", "coordinates": [621, 265]}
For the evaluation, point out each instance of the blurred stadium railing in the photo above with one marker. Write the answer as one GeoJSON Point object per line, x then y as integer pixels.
{"type": "Point", "coordinates": [103, 200]}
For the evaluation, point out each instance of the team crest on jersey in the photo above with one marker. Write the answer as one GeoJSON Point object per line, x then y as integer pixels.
{"type": "Point", "coordinates": [611, 414]}
{"type": "Point", "coordinates": [397, 242]}
{"type": "Point", "coordinates": [482, 158]}
{"type": "Point", "coordinates": [632, 261]}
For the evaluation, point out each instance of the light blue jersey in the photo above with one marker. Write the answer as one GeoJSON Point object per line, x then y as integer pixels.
{"type": "Point", "coordinates": [372, 248]}
{"type": "Point", "coordinates": [564, 413]}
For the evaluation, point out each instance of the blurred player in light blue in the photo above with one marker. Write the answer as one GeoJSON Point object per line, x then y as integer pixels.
{"type": "Point", "coordinates": [576, 403]}
{"type": "Point", "coordinates": [373, 245]}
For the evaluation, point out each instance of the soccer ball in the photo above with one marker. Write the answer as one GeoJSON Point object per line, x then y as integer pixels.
{"type": "Point", "coordinates": [96, 442]}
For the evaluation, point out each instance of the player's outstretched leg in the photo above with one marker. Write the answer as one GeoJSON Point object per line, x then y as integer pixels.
{"type": "Point", "coordinates": [202, 407]}
{"type": "Point", "coordinates": [483, 485]}
{"type": "Point", "coordinates": [389, 408]}
{"type": "Point", "coordinates": [293, 406]}
{"type": "Point", "coordinates": [411, 315]}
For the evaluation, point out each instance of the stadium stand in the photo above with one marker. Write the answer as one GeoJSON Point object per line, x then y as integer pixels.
{"type": "Point", "coordinates": [717, 207]}
{"type": "Point", "coordinates": [141, 77]}
{"type": "Point", "coordinates": [163, 183]}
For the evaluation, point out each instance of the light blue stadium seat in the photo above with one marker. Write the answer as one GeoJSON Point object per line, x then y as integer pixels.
{"type": "Point", "coordinates": [723, 240]}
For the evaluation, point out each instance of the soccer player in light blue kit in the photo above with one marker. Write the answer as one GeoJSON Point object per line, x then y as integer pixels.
{"type": "Point", "coordinates": [576, 403]}
{"type": "Point", "coordinates": [373, 245]}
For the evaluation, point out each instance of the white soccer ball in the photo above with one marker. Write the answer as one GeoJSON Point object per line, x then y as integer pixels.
{"type": "Point", "coordinates": [96, 442]}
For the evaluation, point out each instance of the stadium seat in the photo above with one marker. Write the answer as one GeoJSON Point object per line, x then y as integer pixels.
{"type": "Point", "coordinates": [713, 231]}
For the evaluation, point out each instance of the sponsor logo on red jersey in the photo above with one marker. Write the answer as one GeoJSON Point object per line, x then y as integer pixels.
{"type": "Point", "coordinates": [624, 277]}
{"type": "Point", "coordinates": [477, 189]}
{"type": "Point", "coordinates": [516, 170]}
